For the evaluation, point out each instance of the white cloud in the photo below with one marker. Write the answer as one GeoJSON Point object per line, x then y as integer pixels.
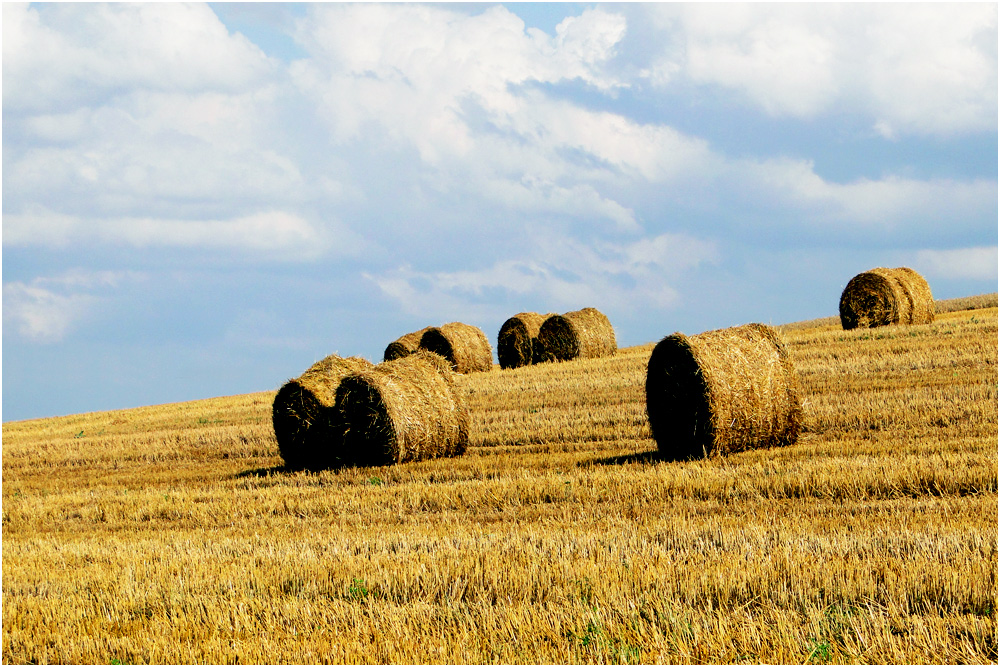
{"type": "Point", "coordinates": [272, 234]}
{"type": "Point", "coordinates": [913, 68]}
{"type": "Point", "coordinates": [978, 263]}
{"type": "Point", "coordinates": [46, 309]}
{"type": "Point", "coordinates": [67, 53]}
{"type": "Point", "coordinates": [888, 203]}
{"type": "Point", "coordinates": [562, 273]}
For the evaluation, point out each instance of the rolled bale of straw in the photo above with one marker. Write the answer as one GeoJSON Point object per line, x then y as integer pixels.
{"type": "Point", "coordinates": [307, 425]}
{"type": "Point", "coordinates": [882, 296]}
{"type": "Point", "coordinates": [580, 334]}
{"type": "Point", "coordinates": [722, 391]}
{"type": "Point", "coordinates": [408, 409]}
{"type": "Point", "coordinates": [463, 345]}
{"type": "Point", "coordinates": [404, 345]}
{"type": "Point", "coordinates": [517, 342]}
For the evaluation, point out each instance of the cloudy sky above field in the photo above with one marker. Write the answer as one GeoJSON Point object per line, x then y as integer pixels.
{"type": "Point", "coordinates": [201, 200]}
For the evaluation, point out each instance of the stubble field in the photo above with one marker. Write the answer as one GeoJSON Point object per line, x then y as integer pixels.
{"type": "Point", "coordinates": [171, 534]}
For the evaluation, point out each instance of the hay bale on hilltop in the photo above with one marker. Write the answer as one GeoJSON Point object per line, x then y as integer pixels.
{"type": "Point", "coordinates": [463, 345]}
{"type": "Point", "coordinates": [580, 334]}
{"type": "Point", "coordinates": [404, 345]}
{"type": "Point", "coordinates": [517, 342]}
{"type": "Point", "coordinates": [884, 296]}
{"type": "Point", "coordinates": [408, 409]}
{"type": "Point", "coordinates": [307, 425]}
{"type": "Point", "coordinates": [722, 391]}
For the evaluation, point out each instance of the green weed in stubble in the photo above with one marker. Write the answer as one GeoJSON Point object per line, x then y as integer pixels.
{"type": "Point", "coordinates": [358, 590]}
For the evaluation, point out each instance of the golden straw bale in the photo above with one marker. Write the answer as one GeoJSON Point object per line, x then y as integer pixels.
{"type": "Point", "coordinates": [517, 342]}
{"type": "Point", "coordinates": [722, 391]}
{"type": "Point", "coordinates": [408, 409]}
{"type": "Point", "coordinates": [404, 345]}
{"type": "Point", "coordinates": [464, 346]}
{"type": "Point", "coordinates": [580, 334]}
{"type": "Point", "coordinates": [884, 296]}
{"type": "Point", "coordinates": [306, 423]}
{"type": "Point", "coordinates": [922, 299]}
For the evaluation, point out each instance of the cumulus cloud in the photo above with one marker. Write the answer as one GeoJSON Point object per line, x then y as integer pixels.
{"type": "Point", "coordinates": [888, 203]}
{"type": "Point", "coordinates": [562, 273]}
{"type": "Point", "coordinates": [46, 309]}
{"type": "Point", "coordinates": [926, 69]}
{"type": "Point", "coordinates": [978, 263]}
{"type": "Point", "coordinates": [268, 233]}
{"type": "Point", "coordinates": [67, 54]}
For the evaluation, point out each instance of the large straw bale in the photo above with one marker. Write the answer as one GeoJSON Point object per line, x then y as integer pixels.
{"type": "Point", "coordinates": [517, 342]}
{"type": "Point", "coordinates": [464, 346]}
{"type": "Point", "coordinates": [580, 334]}
{"type": "Point", "coordinates": [307, 425]}
{"type": "Point", "coordinates": [884, 296]}
{"type": "Point", "coordinates": [404, 345]}
{"type": "Point", "coordinates": [722, 391]}
{"type": "Point", "coordinates": [408, 409]}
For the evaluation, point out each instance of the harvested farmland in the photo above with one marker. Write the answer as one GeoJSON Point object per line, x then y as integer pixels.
{"type": "Point", "coordinates": [882, 296]}
{"type": "Point", "coordinates": [307, 425]}
{"type": "Point", "coordinates": [580, 334]}
{"type": "Point", "coordinates": [173, 534]}
{"type": "Point", "coordinates": [464, 346]}
{"type": "Point", "coordinates": [517, 342]}
{"type": "Point", "coordinates": [722, 391]}
{"type": "Point", "coordinates": [404, 345]}
{"type": "Point", "coordinates": [408, 409]}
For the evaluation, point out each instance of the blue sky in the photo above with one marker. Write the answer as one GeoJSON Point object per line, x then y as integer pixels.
{"type": "Point", "coordinates": [202, 200]}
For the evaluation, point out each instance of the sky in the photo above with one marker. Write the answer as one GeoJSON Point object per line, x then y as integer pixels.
{"type": "Point", "coordinates": [202, 200]}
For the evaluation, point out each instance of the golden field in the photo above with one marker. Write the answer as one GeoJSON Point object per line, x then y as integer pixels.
{"type": "Point", "coordinates": [171, 534]}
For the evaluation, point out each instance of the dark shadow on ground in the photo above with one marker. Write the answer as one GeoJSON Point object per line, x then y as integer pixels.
{"type": "Point", "coordinates": [652, 456]}
{"type": "Point", "coordinates": [639, 457]}
{"type": "Point", "coordinates": [264, 472]}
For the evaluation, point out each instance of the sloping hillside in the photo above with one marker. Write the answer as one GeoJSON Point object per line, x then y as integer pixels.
{"type": "Point", "coordinates": [171, 534]}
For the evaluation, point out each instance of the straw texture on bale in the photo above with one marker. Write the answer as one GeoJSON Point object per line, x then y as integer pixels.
{"type": "Point", "coordinates": [580, 334]}
{"type": "Point", "coordinates": [883, 296]}
{"type": "Point", "coordinates": [408, 409]}
{"type": "Point", "coordinates": [517, 342]}
{"type": "Point", "coordinates": [307, 425]}
{"type": "Point", "coordinates": [722, 391]}
{"type": "Point", "coordinates": [464, 346]}
{"type": "Point", "coordinates": [404, 345]}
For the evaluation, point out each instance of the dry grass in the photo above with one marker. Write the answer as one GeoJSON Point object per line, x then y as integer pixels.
{"type": "Point", "coordinates": [170, 534]}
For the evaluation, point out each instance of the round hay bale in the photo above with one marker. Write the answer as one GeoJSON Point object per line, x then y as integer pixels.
{"type": "Point", "coordinates": [463, 345]}
{"type": "Point", "coordinates": [404, 345]}
{"type": "Point", "coordinates": [580, 334]}
{"type": "Point", "coordinates": [923, 308]}
{"type": "Point", "coordinates": [722, 391]}
{"type": "Point", "coordinates": [306, 423]}
{"type": "Point", "coordinates": [408, 409]}
{"type": "Point", "coordinates": [882, 296]}
{"type": "Point", "coordinates": [517, 342]}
